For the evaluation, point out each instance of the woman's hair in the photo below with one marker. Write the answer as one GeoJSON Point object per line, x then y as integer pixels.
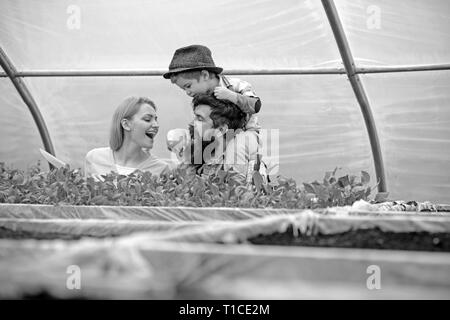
{"type": "Point", "coordinates": [222, 111]}
{"type": "Point", "coordinates": [126, 110]}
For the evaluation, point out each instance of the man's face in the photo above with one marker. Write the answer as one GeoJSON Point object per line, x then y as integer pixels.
{"type": "Point", "coordinates": [203, 124]}
{"type": "Point", "coordinates": [194, 86]}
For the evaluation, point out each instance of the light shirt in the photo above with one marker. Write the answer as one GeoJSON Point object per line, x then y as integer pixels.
{"type": "Point", "coordinates": [240, 153]}
{"type": "Point", "coordinates": [124, 170]}
{"type": "Point", "coordinates": [100, 161]}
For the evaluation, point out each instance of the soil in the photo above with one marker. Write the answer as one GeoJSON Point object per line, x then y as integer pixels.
{"type": "Point", "coordinates": [367, 239]}
{"type": "Point", "coordinates": [18, 235]}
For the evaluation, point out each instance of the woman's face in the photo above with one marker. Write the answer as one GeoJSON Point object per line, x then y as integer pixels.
{"type": "Point", "coordinates": [144, 126]}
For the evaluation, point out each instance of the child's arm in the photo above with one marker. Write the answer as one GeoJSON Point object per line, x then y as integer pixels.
{"type": "Point", "coordinates": [247, 104]}
{"type": "Point", "coordinates": [240, 93]}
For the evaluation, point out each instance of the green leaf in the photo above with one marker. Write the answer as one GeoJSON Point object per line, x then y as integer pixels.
{"type": "Point", "coordinates": [344, 181]}
{"type": "Point", "coordinates": [214, 189]}
{"type": "Point", "coordinates": [240, 190]}
{"type": "Point", "coordinates": [328, 175]}
{"type": "Point", "coordinates": [247, 197]}
{"type": "Point", "coordinates": [359, 189]}
{"type": "Point", "coordinates": [258, 180]}
{"type": "Point", "coordinates": [352, 179]}
{"type": "Point", "coordinates": [309, 188]}
{"type": "Point", "coordinates": [365, 177]}
{"type": "Point", "coordinates": [137, 187]}
{"type": "Point", "coordinates": [98, 200]}
{"type": "Point", "coordinates": [322, 193]}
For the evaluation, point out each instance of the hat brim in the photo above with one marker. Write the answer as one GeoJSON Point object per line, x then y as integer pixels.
{"type": "Point", "coordinates": [167, 75]}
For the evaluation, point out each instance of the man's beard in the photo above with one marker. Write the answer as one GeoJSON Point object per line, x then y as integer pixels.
{"type": "Point", "coordinates": [198, 147]}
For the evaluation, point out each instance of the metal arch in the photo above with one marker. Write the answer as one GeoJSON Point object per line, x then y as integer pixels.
{"type": "Point", "coordinates": [358, 88]}
{"type": "Point", "coordinates": [158, 73]}
{"type": "Point", "coordinates": [27, 97]}
{"type": "Point", "coordinates": [245, 72]}
{"type": "Point", "coordinates": [413, 68]}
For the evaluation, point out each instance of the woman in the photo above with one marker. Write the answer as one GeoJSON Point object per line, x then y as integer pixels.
{"type": "Point", "coordinates": [133, 129]}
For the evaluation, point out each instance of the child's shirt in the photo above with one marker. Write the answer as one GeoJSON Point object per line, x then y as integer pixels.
{"type": "Point", "coordinates": [247, 101]}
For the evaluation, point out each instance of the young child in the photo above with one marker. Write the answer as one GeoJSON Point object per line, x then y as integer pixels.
{"type": "Point", "coordinates": [193, 70]}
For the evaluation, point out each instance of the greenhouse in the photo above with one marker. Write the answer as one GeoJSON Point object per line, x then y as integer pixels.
{"type": "Point", "coordinates": [356, 120]}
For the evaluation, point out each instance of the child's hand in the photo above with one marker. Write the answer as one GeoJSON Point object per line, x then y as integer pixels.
{"type": "Point", "coordinates": [225, 94]}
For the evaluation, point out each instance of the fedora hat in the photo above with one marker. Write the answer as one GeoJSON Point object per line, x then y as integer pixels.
{"type": "Point", "coordinates": [194, 57]}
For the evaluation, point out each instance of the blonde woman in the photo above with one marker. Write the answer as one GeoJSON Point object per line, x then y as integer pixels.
{"type": "Point", "coordinates": [133, 129]}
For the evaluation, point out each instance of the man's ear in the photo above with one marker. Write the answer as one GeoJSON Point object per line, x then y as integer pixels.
{"type": "Point", "coordinates": [125, 124]}
{"type": "Point", "coordinates": [223, 128]}
{"type": "Point", "coordinates": [204, 74]}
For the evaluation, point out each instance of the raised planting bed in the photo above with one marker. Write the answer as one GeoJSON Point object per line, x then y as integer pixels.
{"type": "Point", "coordinates": [208, 254]}
{"type": "Point", "coordinates": [333, 227]}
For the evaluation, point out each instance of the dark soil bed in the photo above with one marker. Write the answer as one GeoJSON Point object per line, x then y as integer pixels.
{"type": "Point", "coordinates": [18, 235]}
{"type": "Point", "coordinates": [368, 239]}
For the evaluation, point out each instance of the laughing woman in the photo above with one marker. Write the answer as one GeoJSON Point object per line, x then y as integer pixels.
{"type": "Point", "coordinates": [134, 126]}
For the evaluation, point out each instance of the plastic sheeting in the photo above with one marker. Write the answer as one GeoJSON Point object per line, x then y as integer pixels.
{"type": "Point", "coordinates": [82, 221]}
{"type": "Point", "coordinates": [124, 34]}
{"type": "Point", "coordinates": [319, 121]}
{"type": "Point", "coordinates": [73, 222]}
{"type": "Point", "coordinates": [20, 141]}
{"type": "Point", "coordinates": [178, 214]}
{"type": "Point", "coordinates": [74, 229]}
{"type": "Point", "coordinates": [169, 214]}
{"type": "Point", "coordinates": [386, 33]}
{"type": "Point", "coordinates": [413, 121]}
{"type": "Point", "coordinates": [207, 225]}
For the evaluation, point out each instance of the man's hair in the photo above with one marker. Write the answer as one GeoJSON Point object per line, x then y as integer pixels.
{"type": "Point", "coordinates": [126, 110]}
{"type": "Point", "coordinates": [222, 111]}
{"type": "Point", "coordinates": [192, 74]}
